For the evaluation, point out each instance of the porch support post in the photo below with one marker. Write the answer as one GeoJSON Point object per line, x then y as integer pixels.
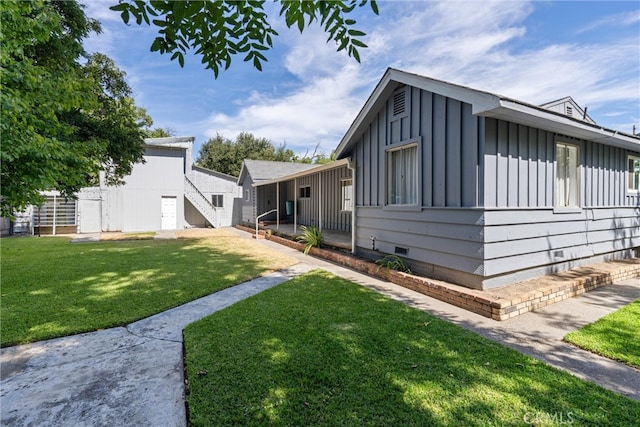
{"type": "Point", "coordinates": [278, 205]}
{"type": "Point", "coordinates": [352, 167]}
{"type": "Point", "coordinates": [320, 201]}
{"type": "Point", "coordinates": [295, 205]}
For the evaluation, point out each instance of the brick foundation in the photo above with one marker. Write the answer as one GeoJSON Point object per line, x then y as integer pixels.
{"type": "Point", "coordinates": [498, 304]}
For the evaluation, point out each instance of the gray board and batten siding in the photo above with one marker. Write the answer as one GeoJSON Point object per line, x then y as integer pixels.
{"type": "Point", "coordinates": [485, 214]}
{"type": "Point", "coordinates": [323, 207]}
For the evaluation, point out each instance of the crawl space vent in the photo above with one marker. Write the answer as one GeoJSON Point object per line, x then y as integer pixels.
{"type": "Point", "coordinates": [401, 251]}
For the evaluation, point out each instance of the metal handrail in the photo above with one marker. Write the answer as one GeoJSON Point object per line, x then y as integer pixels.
{"type": "Point", "coordinates": [261, 215]}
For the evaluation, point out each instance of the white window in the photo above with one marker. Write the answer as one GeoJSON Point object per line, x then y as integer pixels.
{"type": "Point", "coordinates": [305, 192]}
{"type": "Point", "coordinates": [634, 173]}
{"type": "Point", "coordinates": [402, 176]}
{"type": "Point", "coordinates": [347, 194]}
{"type": "Point", "coordinates": [567, 176]}
{"type": "Point", "coordinates": [217, 200]}
{"type": "Point", "coordinates": [247, 195]}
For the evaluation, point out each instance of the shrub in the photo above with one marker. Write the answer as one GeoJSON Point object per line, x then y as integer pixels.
{"type": "Point", "coordinates": [393, 262]}
{"type": "Point", "coordinates": [311, 237]}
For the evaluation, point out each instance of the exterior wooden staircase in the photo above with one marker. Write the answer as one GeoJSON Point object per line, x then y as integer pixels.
{"type": "Point", "coordinates": [200, 202]}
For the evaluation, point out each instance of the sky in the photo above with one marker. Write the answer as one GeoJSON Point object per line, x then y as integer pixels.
{"type": "Point", "coordinates": [308, 94]}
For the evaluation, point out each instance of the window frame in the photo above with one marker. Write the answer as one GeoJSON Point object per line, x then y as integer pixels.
{"type": "Point", "coordinates": [219, 197]}
{"type": "Point", "coordinates": [406, 145]}
{"type": "Point", "coordinates": [247, 195]}
{"type": "Point", "coordinates": [578, 172]}
{"type": "Point", "coordinates": [343, 200]}
{"type": "Point", "coordinates": [632, 157]}
{"type": "Point", "coordinates": [304, 192]}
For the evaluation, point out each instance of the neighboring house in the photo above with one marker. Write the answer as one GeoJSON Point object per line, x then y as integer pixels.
{"type": "Point", "coordinates": [482, 190]}
{"type": "Point", "coordinates": [166, 191]}
{"type": "Point", "coordinates": [265, 199]}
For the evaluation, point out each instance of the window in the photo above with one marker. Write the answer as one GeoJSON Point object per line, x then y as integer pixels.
{"type": "Point", "coordinates": [347, 194]}
{"type": "Point", "coordinates": [402, 176]}
{"type": "Point", "coordinates": [247, 196]}
{"type": "Point", "coordinates": [567, 176]}
{"type": "Point", "coordinates": [305, 192]}
{"type": "Point", "coordinates": [217, 200]}
{"type": "Point", "coordinates": [634, 173]}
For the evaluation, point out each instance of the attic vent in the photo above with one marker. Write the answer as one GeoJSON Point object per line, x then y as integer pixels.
{"type": "Point", "coordinates": [569, 110]}
{"type": "Point", "coordinates": [399, 102]}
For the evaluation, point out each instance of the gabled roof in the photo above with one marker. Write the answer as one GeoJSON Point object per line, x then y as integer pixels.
{"type": "Point", "coordinates": [264, 170]}
{"type": "Point", "coordinates": [484, 104]}
{"type": "Point", "coordinates": [568, 106]}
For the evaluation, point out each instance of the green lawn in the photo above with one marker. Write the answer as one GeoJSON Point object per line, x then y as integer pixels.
{"type": "Point", "coordinates": [52, 288]}
{"type": "Point", "coordinates": [319, 350]}
{"type": "Point", "coordinates": [616, 336]}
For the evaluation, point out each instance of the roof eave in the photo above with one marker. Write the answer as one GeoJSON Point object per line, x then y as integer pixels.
{"type": "Point", "coordinates": [480, 101]}
{"type": "Point", "coordinates": [522, 114]}
{"type": "Point", "coordinates": [311, 171]}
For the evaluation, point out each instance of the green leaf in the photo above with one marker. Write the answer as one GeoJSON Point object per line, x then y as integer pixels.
{"type": "Point", "coordinates": [356, 33]}
{"type": "Point", "coordinates": [374, 6]}
{"type": "Point", "coordinates": [358, 43]}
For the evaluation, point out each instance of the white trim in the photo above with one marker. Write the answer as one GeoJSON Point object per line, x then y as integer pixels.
{"type": "Point", "coordinates": [633, 191]}
{"type": "Point", "coordinates": [403, 145]}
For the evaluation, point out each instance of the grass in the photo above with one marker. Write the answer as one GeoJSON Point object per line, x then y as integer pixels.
{"type": "Point", "coordinates": [319, 350]}
{"type": "Point", "coordinates": [52, 288]}
{"type": "Point", "coordinates": [616, 336]}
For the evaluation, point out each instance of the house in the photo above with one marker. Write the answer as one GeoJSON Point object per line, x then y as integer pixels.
{"type": "Point", "coordinates": [265, 202]}
{"type": "Point", "coordinates": [484, 190]}
{"type": "Point", "coordinates": [166, 191]}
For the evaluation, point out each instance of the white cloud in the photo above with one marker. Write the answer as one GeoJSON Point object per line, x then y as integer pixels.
{"type": "Point", "coordinates": [484, 45]}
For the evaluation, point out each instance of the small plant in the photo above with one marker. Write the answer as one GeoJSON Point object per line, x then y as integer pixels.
{"type": "Point", "coordinates": [311, 237]}
{"type": "Point", "coordinates": [393, 262]}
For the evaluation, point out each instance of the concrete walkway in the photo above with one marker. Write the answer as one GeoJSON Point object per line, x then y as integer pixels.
{"type": "Point", "coordinates": [134, 375]}
{"type": "Point", "coordinates": [129, 376]}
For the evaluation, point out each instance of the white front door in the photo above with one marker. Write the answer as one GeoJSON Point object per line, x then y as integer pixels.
{"type": "Point", "coordinates": [169, 213]}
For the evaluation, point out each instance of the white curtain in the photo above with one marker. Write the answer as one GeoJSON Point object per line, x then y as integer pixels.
{"type": "Point", "coordinates": [402, 176]}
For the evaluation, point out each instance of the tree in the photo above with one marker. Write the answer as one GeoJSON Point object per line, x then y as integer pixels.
{"type": "Point", "coordinates": [62, 120]}
{"type": "Point", "coordinates": [220, 29]}
{"type": "Point", "coordinates": [160, 132]}
{"type": "Point", "coordinates": [226, 156]}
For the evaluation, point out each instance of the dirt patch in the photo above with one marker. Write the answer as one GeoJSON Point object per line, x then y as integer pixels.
{"type": "Point", "coordinates": [127, 236]}
{"type": "Point", "coordinates": [198, 233]}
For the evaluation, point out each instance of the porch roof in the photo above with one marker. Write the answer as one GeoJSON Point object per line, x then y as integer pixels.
{"type": "Point", "coordinates": [264, 170]}
{"type": "Point", "coordinates": [320, 168]}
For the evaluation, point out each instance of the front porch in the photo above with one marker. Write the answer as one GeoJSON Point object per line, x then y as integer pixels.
{"type": "Point", "coordinates": [334, 238]}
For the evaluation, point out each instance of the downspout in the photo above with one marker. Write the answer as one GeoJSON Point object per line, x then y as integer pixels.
{"type": "Point", "coordinates": [351, 166]}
